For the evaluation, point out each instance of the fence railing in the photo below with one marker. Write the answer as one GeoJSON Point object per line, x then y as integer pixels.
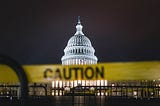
{"type": "Point", "coordinates": [109, 91]}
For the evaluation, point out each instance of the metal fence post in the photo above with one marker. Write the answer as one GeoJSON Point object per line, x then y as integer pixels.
{"type": "Point", "coordinates": [21, 76]}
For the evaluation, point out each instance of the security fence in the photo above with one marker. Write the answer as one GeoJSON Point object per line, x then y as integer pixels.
{"type": "Point", "coordinates": [121, 91]}
{"type": "Point", "coordinates": [45, 95]}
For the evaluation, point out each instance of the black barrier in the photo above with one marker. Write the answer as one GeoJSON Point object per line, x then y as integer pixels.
{"type": "Point", "coordinates": [21, 76]}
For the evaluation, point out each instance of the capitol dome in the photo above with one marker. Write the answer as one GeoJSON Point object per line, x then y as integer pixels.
{"type": "Point", "coordinates": [79, 49]}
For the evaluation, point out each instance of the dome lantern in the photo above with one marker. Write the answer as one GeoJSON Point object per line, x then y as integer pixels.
{"type": "Point", "coordinates": [79, 27]}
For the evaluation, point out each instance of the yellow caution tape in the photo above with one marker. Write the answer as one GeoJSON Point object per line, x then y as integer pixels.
{"type": "Point", "coordinates": [149, 70]}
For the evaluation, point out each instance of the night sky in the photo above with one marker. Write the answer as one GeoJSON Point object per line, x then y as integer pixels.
{"type": "Point", "coordinates": [37, 31]}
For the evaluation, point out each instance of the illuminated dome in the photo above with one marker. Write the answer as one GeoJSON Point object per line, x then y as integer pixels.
{"type": "Point", "coordinates": [79, 49]}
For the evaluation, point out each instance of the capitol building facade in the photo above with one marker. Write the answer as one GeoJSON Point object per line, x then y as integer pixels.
{"type": "Point", "coordinates": [79, 51]}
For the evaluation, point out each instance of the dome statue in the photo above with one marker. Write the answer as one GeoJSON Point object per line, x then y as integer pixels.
{"type": "Point", "coordinates": [79, 49]}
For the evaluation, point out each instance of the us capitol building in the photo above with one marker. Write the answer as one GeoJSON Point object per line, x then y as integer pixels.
{"type": "Point", "coordinates": [79, 49]}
